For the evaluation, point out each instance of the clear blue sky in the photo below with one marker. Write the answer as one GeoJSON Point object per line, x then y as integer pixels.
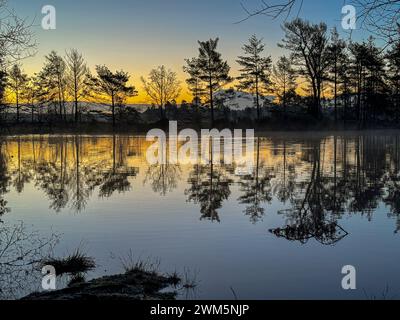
{"type": "Point", "coordinates": [137, 35]}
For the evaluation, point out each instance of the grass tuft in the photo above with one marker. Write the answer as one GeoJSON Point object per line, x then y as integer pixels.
{"type": "Point", "coordinates": [76, 263]}
{"type": "Point", "coordinates": [147, 265]}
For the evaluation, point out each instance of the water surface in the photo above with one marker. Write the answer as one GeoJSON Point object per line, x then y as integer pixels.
{"type": "Point", "coordinates": [314, 203]}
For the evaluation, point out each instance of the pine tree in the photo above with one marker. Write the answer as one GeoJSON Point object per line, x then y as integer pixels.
{"type": "Point", "coordinates": [194, 82]}
{"type": "Point", "coordinates": [344, 83]}
{"type": "Point", "coordinates": [284, 80]}
{"type": "Point", "coordinates": [358, 73]}
{"type": "Point", "coordinates": [376, 86]}
{"type": "Point", "coordinates": [256, 69]}
{"type": "Point", "coordinates": [113, 85]}
{"type": "Point", "coordinates": [53, 79]}
{"type": "Point", "coordinates": [393, 59]}
{"type": "Point", "coordinates": [368, 76]}
{"type": "Point", "coordinates": [3, 84]}
{"type": "Point", "coordinates": [17, 83]}
{"type": "Point", "coordinates": [336, 53]}
{"type": "Point", "coordinates": [213, 71]}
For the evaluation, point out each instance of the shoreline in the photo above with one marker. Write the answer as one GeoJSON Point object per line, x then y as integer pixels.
{"type": "Point", "coordinates": [140, 129]}
{"type": "Point", "coordinates": [132, 285]}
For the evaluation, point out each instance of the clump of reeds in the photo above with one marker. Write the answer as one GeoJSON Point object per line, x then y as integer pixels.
{"type": "Point", "coordinates": [147, 265]}
{"type": "Point", "coordinates": [75, 263]}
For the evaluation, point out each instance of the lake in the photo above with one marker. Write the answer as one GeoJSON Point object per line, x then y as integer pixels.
{"type": "Point", "coordinates": [314, 203]}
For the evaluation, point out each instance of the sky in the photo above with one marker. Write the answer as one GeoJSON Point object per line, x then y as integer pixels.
{"type": "Point", "coordinates": [138, 35]}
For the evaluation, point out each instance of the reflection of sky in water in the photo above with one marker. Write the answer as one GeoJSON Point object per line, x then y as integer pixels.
{"type": "Point", "coordinates": [165, 212]}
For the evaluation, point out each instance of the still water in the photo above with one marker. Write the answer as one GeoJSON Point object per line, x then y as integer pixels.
{"type": "Point", "coordinates": [314, 203]}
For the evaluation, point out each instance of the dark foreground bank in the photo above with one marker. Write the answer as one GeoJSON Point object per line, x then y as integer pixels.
{"type": "Point", "coordinates": [133, 285]}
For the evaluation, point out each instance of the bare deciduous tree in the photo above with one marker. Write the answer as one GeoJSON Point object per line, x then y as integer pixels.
{"type": "Point", "coordinates": [162, 86]}
{"type": "Point", "coordinates": [16, 36]}
{"type": "Point", "coordinates": [17, 83]}
{"type": "Point", "coordinates": [380, 17]}
{"type": "Point", "coordinates": [77, 71]}
{"type": "Point", "coordinates": [273, 10]}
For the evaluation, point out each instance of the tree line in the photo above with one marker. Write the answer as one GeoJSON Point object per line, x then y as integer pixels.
{"type": "Point", "coordinates": [361, 79]}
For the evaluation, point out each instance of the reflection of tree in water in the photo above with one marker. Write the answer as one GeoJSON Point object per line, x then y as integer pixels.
{"type": "Point", "coordinates": [283, 185]}
{"type": "Point", "coordinates": [320, 182]}
{"type": "Point", "coordinates": [392, 198]}
{"type": "Point", "coordinates": [21, 177]}
{"type": "Point", "coordinates": [367, 183]}
{"type": "Point", "coordinates": [256, 189]}
{"type": "Point", "coordinates": [209, 187]}
{"type": "Point", "coordinates": [392, 183]}
{"type": "Point", "coordinates": [21, 250]}
{"type": "Point", "coordinates": [163, 178]}
{"type": "Point", "coordinates": [308, 218]}
{"type": "Point", "coordinates": [117, 178]}
{"type": "Point", "coordinates": [4, 181]}
{"type": "Point", "coordinates": [65, 176]}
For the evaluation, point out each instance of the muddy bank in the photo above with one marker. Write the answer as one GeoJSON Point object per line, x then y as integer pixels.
{"type": "Point", "coordinates": [133, 285]}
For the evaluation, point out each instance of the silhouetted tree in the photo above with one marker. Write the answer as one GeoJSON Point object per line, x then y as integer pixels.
{"type": "Point", "coordinates": [255, 69]}
{"type": "Point", "coordinates": [393, 58]}
{"type": "Point", "coordinates": [256, 189]}
{"type": "Point", "coordinates": [194, 83]}
{"type": "Point", "coordinates": [368, 74]}
{"type": "Point", "coordinates": [4, 180]}
{"type": "Point", "coordinates": [52, 79]}
{"type": "Point", "coordinates": [284, 80]}
{"type": "Point", "coordinates": [162, 86]}
{"type": "Point", "coordinates": [3, 84]}
{"type": "Point", "coordinates": [336, 52]}
{"type": "Point", "coordinates": [213, 71]}
{"type": "Point", "coordinates": [77, 72]}
{"type": "Point", "coordinates": [308, 44]}
{"type": "Point", "coordinates": [17, 81]}
{"type": "Point", "coordinates": [113, 85]}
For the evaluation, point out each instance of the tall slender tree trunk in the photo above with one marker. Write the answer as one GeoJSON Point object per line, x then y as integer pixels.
{"type": "Point", "coordinates": [76, 98]}
{"type": "Point", "coordinates": [336, 115]}
{"type": "Point", "coordinates": [397, 103]}
{"type": "Point", "coordinates": [113, 109]}
{"type": "Point", "coordinates": [60, 104]}
{"type": "Point", "coordinates": [17, 102]}
{"type": "Point", "coordinates": [211, 102]}
{"type": "Point", "coordinates": [314, 108]}
{"type": "Point", "coordinates": [257, 99]}
{"type": "Point", "coordinates": [284, 96]}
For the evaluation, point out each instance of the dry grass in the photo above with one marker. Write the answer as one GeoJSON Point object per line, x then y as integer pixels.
{"type": "Point", "coordinates": [76, 263]}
